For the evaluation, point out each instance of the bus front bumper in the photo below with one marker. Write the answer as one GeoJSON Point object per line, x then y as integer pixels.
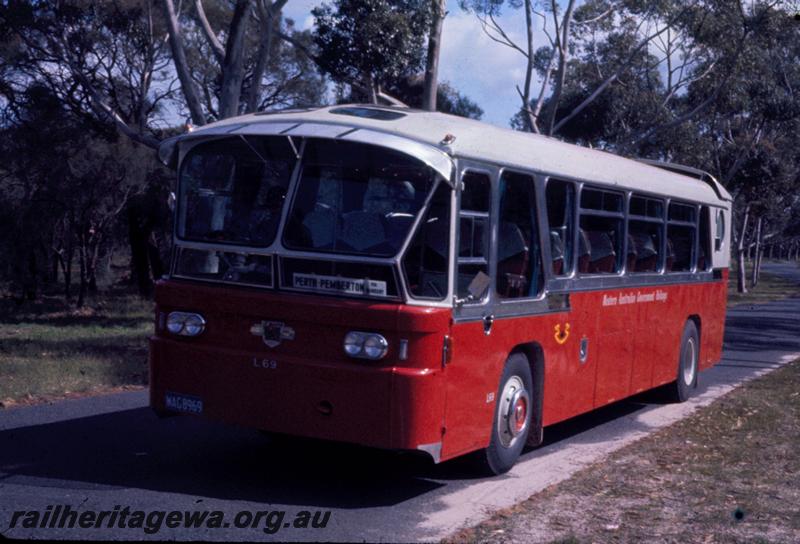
{"type": "Point", "coordinates": [377, 406]}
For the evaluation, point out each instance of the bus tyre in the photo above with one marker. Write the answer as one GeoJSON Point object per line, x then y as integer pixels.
{"type": "Point", "coordinates": [687, 363]}
{"type": "Point", "coordinates": [512, 416]}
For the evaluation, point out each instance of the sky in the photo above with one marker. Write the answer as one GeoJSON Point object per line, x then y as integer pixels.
{"type": "Point", "coordinates": [478, 67]}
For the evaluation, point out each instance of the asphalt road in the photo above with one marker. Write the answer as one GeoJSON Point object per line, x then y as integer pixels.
{"type": "Point", "coordinates": [98, 453]}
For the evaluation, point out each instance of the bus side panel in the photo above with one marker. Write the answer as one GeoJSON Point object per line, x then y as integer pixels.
{"type": "Point", "coordinates": [474, 371]}
{"type": "Point", "coordinates": [569, 382]}
{"type": "Point", "coordinates": [713, 323]}
{"type": "Point", "coordinates": [646, 351]}
{"type": "Point", "coordinates": [614, 346]}
{"type": "Point", "coordinates": [665, 335]}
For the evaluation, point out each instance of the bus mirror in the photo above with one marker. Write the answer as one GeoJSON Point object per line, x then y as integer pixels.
{"type": "Point", "coordinates": [168, 152]}
{"type": "Point", "coordinates": [171, 199]}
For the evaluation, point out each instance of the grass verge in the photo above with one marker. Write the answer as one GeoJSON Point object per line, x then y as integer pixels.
{"type": "Point", "coordinates": [49, 349]}
{"type": "Point", "coordinates": [770, 287]}
{"type": "Point", "coordinates": [727, 473]}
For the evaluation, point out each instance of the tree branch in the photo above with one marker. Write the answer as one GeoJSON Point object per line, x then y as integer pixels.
{"type": "Point", "coordinates": [213, 41]}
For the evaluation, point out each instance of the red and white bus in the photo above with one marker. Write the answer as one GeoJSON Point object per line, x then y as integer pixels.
{"type": "Point", "coordinates": [417, 281]}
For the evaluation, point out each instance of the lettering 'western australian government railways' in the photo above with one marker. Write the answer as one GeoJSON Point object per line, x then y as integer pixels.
{"type": "Point", "coordinates": [635, 298]}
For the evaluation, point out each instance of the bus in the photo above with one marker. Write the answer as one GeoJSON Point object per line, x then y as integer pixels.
{"type": "Point", "coordinates": [411, 280]}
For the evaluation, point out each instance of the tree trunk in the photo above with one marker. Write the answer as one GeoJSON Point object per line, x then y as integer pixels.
{"type": "Point", "coordinates": [438, 11]}
{"type": "Point", "coordinates": [66, 264]}
{"type": "Point", "coordinates": [82, 266]}
{"type": "Point", "coordinates": [138, 234]}
{"type": "Point", "coordinates": [182, 66]}
{"type": "Point", "coordinates": [527, 114]}
{"type": "Point", "coordinates": [233, 66]}
{"type": "Point", "coordinates": [562, 44]}
{"type": "Point", "coordinates": [741, 275]}
{"type": "Point", "coordinates": [270, 17]}
{"type": "Point", "coordinates": [54, 268]}
{"type": "Point", "coordinates": [756, 254]}
{"type": "Point", "coordinates": [30, 284]}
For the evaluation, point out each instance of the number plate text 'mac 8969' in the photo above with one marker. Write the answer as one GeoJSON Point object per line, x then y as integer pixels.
{"type": "Point", "coordinates": [183, 403]}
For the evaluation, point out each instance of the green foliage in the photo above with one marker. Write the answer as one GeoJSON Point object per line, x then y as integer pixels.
{"type": "Point", "coordinates": [371, 42]}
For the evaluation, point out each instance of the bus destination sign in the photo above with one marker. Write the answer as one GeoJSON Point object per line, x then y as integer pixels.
{"type": "Point", "coordinates": [338, 284]}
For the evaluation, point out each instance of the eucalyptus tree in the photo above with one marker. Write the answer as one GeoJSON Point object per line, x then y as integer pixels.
{"type": "Point", "coordinates": [366, 44]}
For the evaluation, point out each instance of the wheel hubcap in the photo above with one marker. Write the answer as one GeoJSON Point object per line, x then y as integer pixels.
{"type": "Point", "coordinates": [689, 362]}
{"type": "Point", "coordinates": [512, 416]}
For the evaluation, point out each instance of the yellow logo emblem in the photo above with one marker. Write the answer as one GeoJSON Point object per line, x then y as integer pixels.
{"type": "Point", "coordinates": [560, 336]}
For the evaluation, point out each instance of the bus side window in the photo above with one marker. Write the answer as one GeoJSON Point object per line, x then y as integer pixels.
{"type": "Point", "coordinates": [473, 221]}
{"type": "Point", "coordinates": [519, 263]}
{"type": "Point", "coordinates": [601, 232]}
{"type": "Point", "coordinates": [645, 233]}
{"type": "Point", "coordinates": [681, 237]}
{"type": "Point", "coordinates": [704, 250]}
{"type": "Point", "coordinates": [560, 197]}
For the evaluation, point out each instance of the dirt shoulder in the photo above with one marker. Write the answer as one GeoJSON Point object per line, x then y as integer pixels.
{"type": "Point", "coordinates": [728, 473]}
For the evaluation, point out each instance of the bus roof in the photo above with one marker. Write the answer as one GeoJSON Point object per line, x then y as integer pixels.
{"type": "Point", "coordinates": [480, 141]}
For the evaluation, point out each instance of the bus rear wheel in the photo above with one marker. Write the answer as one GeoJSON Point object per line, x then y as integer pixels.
{"type": "Point", "coordinates": [512, 416]}
{"type": "Point", "coordinates": [688, 363]}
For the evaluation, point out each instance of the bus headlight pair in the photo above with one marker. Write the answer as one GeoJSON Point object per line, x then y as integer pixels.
{"type": "Point", "coordinates": [365, 345]}
{"type": "Point", "coordinates": [185, 323]}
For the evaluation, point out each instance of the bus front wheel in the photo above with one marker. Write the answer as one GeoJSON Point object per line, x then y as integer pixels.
{"type": "Point", "coordinates": [512, 417]}
{"type": "Point", "coordinates": [687, 363]}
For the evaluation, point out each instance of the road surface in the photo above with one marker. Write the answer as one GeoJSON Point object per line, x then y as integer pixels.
{"type": "Point", "coordinates": [99, 453]}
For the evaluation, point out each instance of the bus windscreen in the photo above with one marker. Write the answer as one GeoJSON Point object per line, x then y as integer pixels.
{"type": "Point", "coordinates": [356, 199]}
{"type": "Point", "coordinates": [232, 190]}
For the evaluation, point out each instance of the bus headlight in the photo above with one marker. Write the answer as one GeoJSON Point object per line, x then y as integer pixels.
{"type": "Point", "coordinates": [365, 345]}
{"type": "Point", "coordinates": [185, 324]}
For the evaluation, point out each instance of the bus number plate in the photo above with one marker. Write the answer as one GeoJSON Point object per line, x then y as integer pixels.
{"type": "Point", "coordinates": [184, 403]}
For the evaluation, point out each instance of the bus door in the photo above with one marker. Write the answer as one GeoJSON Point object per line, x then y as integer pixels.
{"type": "Point", "coordinates": [470, 351]}
{"type": "Point", "coordinates": [500, 296]}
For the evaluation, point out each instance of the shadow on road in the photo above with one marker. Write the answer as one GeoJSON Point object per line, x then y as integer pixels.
{"type": "Point", "coordinates": [135, 449]}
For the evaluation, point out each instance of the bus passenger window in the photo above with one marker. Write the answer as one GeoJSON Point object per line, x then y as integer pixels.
{"type": "Point", "coordinates": [681, 237]}
{"type": "Point", "coordinates": [425, 262]}
{"type": "Point", "coordinates": [704, 250]}
{"type": "Point", "coordinates": [473, 224]}
{"type": "Point", "coordinates": [600, 239]}
{"type": "Point", "coordinates": [645, 234]}
{"type": "Point", "coordinates": [519, 264]}
{"type": "Point", "coordinates": [560, 196]}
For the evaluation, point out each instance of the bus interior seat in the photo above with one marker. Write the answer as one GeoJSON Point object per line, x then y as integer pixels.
{"type": "Point", "coordinates": [647, 255]}
{"type": "Point", "coordinates": [632, 255]}
{"type": "Point", "coordinates": [584, 252]}
{"type": "Point", "coordinates": [513, 255]}
{"type": "Point", "coordinates": [362, 230]}
{"type": "Point", "coordinates": [397, 226]}
{"type": "Point", "coordinates": [557, 252]}
{"type": "Point", "coordinates": [321, 225]}
{"type": "Point", "coordinates": [603, 257]}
